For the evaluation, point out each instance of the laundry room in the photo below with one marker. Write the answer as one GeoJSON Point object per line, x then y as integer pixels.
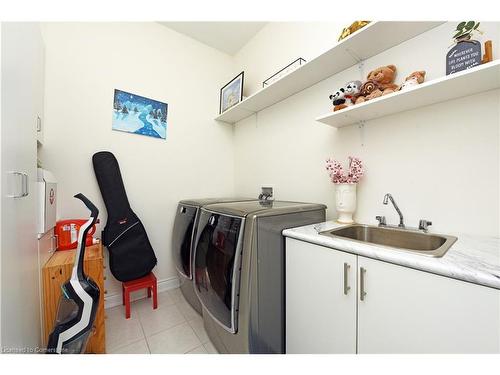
{"type": "Point", "coordinates": [274, 184]}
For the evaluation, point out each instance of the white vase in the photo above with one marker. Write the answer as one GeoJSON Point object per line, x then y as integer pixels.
{"type": "Point", "coordinates": [345, 202]}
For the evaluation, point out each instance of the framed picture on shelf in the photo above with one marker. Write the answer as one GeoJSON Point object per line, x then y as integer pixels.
{"type": "Point", "coordinates": [231, 93]}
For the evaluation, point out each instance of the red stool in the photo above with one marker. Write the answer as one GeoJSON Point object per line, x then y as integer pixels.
{"type": "Point", "coordinates": [148, 281]}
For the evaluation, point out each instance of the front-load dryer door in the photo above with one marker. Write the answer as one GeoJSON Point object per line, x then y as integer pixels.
{"type": "Point", "coordinates": [217, 262]}
{"type": "Point", "coordinates": [184, 225]}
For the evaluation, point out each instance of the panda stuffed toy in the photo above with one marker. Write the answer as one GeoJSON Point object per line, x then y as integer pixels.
{"type": "Point", "coordinates": [345, 96]}
{"type": "Point", "coordinates": [338, 99]}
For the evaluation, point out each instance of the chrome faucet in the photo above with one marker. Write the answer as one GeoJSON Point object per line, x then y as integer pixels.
{"type": "Point", "coordinates": [388, 197]}
{"type": "Point", "coordinates": [423, 224]}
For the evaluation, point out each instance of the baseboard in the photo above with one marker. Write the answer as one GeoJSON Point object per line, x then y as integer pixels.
{"type": "Point", "coordinates": [163, 285]}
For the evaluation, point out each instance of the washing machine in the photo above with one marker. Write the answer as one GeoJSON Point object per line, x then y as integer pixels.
{"type": "Point", "coordinates": [239, 271]}
{"type": "Point", "coordinates": [183, 233]}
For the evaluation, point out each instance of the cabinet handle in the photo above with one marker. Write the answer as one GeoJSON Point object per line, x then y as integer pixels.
{"type": "Point", "coordinates": [25, 185]}
{"type": "Point", "coordinates": [24, 182]}
{"type": "Point", "coordinates": [54, 244]}
{"type": "Point", "coordinates": [362, 292]}
{"type": "Point", "coordinates": [52, 247]}
{"type": "Point", "coordinates": [346, 271]}
{"type": "Point", "coordinates": [38, 124]}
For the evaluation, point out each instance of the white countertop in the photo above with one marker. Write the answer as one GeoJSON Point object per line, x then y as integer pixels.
{"type": "Point", "coordinates": [472, 258]}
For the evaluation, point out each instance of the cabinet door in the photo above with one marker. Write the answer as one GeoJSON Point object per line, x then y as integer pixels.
{"type": "Point", "coordinates": [410, 311]}
{"type": "Point", "coordinates": [20, 52]}
{"type": "Point", "coordinates": [320, 299]}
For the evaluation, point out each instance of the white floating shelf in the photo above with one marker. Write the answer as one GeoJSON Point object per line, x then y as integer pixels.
{"type": "Point", "coordinates": [371, 40]}
{"type": "Point", "coordinates": [468, 82]}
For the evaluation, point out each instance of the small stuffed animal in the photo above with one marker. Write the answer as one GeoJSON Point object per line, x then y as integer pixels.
{"type": "Point", "coordinates": [414, 79]}
{"type": "Point", "coordinates": [338, 99]}
{"type": "Point", "coordinates": [379, 82]}
{"type": "Point", "coordinates": [345, 96]}
{"type": "Point", "coordinates": [365, 91]}
{"type": "Point", "coordinates": [352, 89]}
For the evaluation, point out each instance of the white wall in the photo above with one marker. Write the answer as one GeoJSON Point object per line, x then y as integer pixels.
{"type": "Point", "coordinates": [278, 44]}
{"type": "Point", "coordinates": [440, 162]}
{"type": "Point", "coordinates": [85, 62]}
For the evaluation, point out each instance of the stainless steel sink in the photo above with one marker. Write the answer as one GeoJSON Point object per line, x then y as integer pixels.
{"type": "Point", "coordinates": [434, 245]}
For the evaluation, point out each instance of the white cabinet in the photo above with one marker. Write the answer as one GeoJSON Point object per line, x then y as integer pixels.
{"type": "Point", "coordinates": [320, 299]}
{"type": "Point", "coordinates": [410, 311]}
{"type": "Point", "coordinates": [390, 308]}
{"type": "Point", "coordinates": [21, 50]}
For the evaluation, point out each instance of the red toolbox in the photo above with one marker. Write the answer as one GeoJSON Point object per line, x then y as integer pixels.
{"type": "Point", "coordinates": [67, 233]}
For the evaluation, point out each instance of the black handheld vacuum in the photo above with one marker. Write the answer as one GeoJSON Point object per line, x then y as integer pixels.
{"type": "Point", "coordinates": [79, 300]}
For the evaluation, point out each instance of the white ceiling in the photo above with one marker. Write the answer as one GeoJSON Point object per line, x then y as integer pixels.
{"type": "Point", "coordinates": [227, 37]}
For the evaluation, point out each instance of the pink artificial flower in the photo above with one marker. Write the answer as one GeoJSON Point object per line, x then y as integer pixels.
{"type": "Point", "coordinates": [337, 174]}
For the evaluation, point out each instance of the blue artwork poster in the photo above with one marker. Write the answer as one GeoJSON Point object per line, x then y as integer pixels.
{"type": "Point", "coordinates": [137, 114]}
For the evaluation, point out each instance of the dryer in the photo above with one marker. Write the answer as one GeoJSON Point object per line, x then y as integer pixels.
{"type": "Point", "coordinates": [183, 233]}
{"type": "Point", "coordinates": [239, 271]}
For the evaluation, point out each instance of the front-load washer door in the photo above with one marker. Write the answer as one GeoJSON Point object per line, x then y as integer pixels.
{"type": "Point", "coordinates": [182, 237]}
{"type": "Point", "coordinates": [217, 261]}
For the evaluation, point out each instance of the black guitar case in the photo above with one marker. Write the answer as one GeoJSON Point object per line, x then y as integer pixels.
{"type": "Point", "coordinates": [131, 255]}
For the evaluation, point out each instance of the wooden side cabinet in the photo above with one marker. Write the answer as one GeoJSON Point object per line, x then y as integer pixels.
{"type": "Point", "coordinates": [56, 272]}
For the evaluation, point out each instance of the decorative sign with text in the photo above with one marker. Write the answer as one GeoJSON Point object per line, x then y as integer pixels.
{"type": "Point", "coordinates": [465, 52]}
{"type": "Point", "coordinates": [464, 55]}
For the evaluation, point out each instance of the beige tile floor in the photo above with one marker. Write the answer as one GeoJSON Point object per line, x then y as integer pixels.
{"type": "Point", "coordinates": [173, 328]}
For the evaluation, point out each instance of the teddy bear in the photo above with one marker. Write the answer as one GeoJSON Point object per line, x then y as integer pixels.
{"type": "Point", "coordinates": [344, 96]}
{"type": "Point", "coordinates": [413, 80]}
{"type": "Point", "coordinates": [379, 82]}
